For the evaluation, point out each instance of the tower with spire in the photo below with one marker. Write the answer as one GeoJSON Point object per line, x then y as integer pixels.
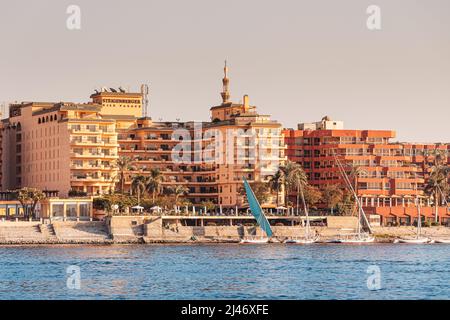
{"type": "Point", "coordinates": [228, 110]}
{"type": "Point", "coordinates": [226, 82]}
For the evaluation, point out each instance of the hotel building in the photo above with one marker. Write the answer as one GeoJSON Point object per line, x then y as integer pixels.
{"type": "Point", "coordinates": [391, 174]}
{"type": "Point", "coordinates": [65, 146]}
{"type": "Point", "coordinates": [74, 147]}
{"type": "Point", "coordinates": [228, 138]}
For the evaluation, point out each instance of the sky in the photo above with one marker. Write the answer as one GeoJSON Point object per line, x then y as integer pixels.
{"type": "Point", "coordinates": [298, 60]}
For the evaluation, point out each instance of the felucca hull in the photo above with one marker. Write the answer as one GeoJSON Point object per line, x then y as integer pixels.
{"type": "Point", "coordinates": [301, 241]}
{"type": "Point", "coordinates": [254, 241]}
{"type": "Point", "coordinates": [368, 240]}
{"type": "Point", "coordinates": [413, 241]}
{"type": "Point", "coordinates": [354, 238]}
{"type": "Point", "coordinates": [441, 240]}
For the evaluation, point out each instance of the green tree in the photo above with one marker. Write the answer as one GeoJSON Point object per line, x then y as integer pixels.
{"type": "Point", "coordinates": [138, 186]}
{"type": "Point", "coordinates": [123, 164]}
{"type": "Point", "coordinates": [153, 183]}
{"type": "Point", "coordinates": [298, 180]}
{"type": "Point", "coordinates": [286, 172]}
{"type": "Point", "coordinates": [347, 205]}
{"type": "Point", "coordinates": [437, 185]}
{"type": "Point", "coordinates": [276, 183]}
{"type": "Point", "coordinates": [178, 191]}
{"type": "Point", "coordinates": [332, 196]}
{"type": "Point", "coordinates": [209, 205]}
{"type": "Point", "coordinates": [312, 196]}
{"type": "Point", "coordinates": [260, 189]}
{"type": "Point", "coordinates": [29, 198]}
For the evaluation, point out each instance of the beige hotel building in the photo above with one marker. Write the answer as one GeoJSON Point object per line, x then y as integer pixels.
{"type": "Point", "coordinates": [69, 146]}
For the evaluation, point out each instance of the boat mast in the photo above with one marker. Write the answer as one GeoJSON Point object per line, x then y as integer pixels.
{"type": "Point", "coordinates": [349, 185]}
{"type": "Point", "coordinates": [359, 221]}
{"type": "Point", "coordinates": [419, 218]}
{"type": "Point", "coordinates": [307, 227]}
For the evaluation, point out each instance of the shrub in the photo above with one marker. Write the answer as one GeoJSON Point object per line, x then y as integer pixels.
{"type": "Point", "coordinates": [77, 193]}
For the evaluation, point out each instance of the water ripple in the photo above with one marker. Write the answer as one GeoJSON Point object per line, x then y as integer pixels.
{"type": "Point", "coordinates": [225, 272]}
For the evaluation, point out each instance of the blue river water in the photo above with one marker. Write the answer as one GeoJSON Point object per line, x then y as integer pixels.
{"type": "Point", "coordinates": [226, 271]}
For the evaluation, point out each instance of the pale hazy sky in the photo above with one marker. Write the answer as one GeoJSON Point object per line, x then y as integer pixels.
{"type": "Point", "coordinates": [297, 60]}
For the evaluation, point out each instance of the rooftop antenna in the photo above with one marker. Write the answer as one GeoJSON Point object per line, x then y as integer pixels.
{"type": "Point", "coordinates": [145, 92]}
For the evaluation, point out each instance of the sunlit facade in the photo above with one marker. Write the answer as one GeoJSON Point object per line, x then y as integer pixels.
{"type": "Point", "coordinates": [73, 148]}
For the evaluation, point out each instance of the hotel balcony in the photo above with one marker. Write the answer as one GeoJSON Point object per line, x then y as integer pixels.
{"type": "Point", "coordinates": [91, 167]}
{"type": "Point", "coordinates": [95, 143]}
{"type": "Point", "coordinates": [90, 131]}
{"type": "Point", "coordinates": [88, 155]}
{"type": "Point", "coordinates": [165, 151]}
{"type": "Point", "coordinates": [88, 178]}
{"type": "Point", "coordinates": [201, 194]}
{"type": "Point", "coordinates": [244, 169]}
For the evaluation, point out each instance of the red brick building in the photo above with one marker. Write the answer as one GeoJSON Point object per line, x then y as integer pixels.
{"type": "Point", "coordinates": [388, 176]}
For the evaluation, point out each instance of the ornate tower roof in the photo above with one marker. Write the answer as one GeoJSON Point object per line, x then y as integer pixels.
{"type": "Point", "coordinates": [225, 93]}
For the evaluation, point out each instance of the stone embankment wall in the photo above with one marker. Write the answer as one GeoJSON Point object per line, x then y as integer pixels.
{"type": "Point", "coordinates": [151, 229]}
{"type": "Point", "coordinates": [56, 233]}
{"type": "Point", "coordinates": [155, 231]}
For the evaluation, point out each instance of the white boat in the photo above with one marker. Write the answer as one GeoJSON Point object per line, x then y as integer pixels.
{"type": "Point", "coordinates": [362, 237]}
{"type": "Point", "coordinates": [413, 241]}
{"type": "Point", "coordinates": [441, 240]}
{"type": "Point", "coordinates": [261, 219]}
{"type": "Point", "coordinates": [418, 239]}
{"type": "Point", "coordinates": [301, 241]}
{"type": "Point", "coordinates": [254, 240]}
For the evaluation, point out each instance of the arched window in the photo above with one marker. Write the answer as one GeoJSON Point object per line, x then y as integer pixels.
{"type": "Point", "coordinates": [46, 119]}
{"type": "Point", "coordinates": [39, 120]}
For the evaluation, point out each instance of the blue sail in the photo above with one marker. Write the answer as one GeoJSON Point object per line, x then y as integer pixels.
{"type": "Point", "coordinates": [256, 210]}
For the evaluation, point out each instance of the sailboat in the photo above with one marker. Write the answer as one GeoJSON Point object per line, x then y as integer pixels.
{"type": "Point", "coordinates": [261, 219]}
{"type": "Point", "coordinates": [418, 239]}
{"type": "Point", "coordinates": [360, 236]}
{"type": "Point", "coordinates": [442, 240]}
{"type": "Point", "coordinates": [308, 239]}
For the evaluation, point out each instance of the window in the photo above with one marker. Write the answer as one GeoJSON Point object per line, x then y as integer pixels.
{"type": "Point", "coordinates": [57, 209]}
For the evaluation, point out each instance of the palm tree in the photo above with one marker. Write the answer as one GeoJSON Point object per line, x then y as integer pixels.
{"type": "Point", "coordinates": [286, 172]}
{"type": "Point", "coordinates": [153, 182]}
{"type": "Point", "coordinates": [355, 173]}
{"type": "Point", "coordinates": [179, 190]}
{"type": "Point", "coordinates": [138, 186]}
{"type": "Point", "coordinates": [298, 179]}
{"type": "Point", "coordinates": [123, 164]}
{"type": "Point", "coordinates": [437, 184]}
{"type": "Point", "coordinates": [276, 182]}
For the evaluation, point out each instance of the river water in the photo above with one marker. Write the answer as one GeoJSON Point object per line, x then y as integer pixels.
{"type": "Point", "coordinates": [226, 271]}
